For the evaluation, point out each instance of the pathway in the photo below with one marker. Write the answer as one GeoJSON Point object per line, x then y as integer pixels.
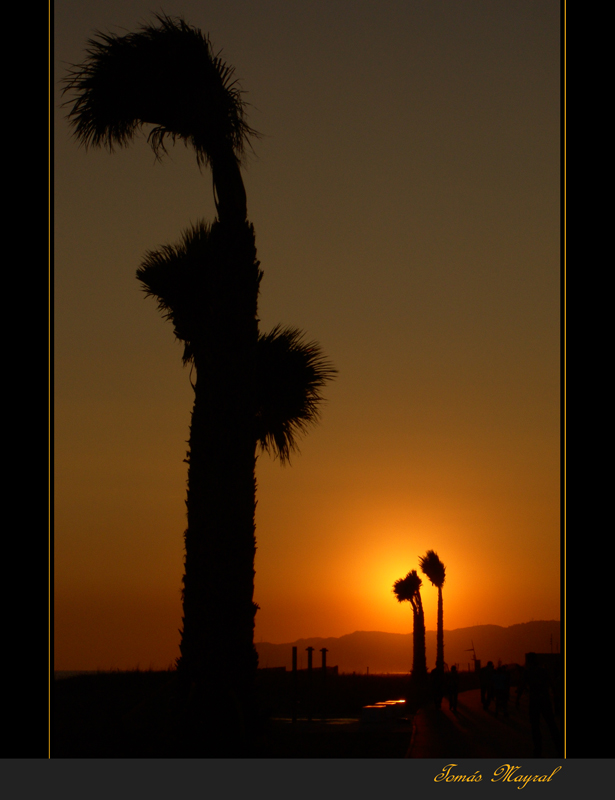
{"type": "Point", "coordinates": [472, 732]}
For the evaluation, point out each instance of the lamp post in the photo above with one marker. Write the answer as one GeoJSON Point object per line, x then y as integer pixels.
{"type": "Point", "coordinates": [309, 691]}
{"type": "Point", "coordinates": [294, 712]}
{"type": "Point", "coordinates": [324, 651]}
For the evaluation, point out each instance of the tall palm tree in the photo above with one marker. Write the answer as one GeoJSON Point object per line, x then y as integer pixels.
{"type": "Point", "coordinates": [409, 589]}
{"type": "Point", "coordinates": [434, 569]}
{"type": "Point", "coordinates": [168, 76]}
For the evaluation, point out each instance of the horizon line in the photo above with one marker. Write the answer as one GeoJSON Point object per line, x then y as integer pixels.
{"type": "Point", "coordinates": [409, 633]}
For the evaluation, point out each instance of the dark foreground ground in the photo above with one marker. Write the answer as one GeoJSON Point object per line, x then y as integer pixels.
{"type": "Point", "coordinates": [472, 732]}
{"type": "Point", "coordinates": [132, 715]}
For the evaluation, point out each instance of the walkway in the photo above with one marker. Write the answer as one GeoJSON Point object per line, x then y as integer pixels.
{"type": "Point", "coordinates": [472, 732]}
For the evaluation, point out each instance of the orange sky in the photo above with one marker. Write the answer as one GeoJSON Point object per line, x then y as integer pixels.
{"type": "Point", "coordinates": [405, 197]}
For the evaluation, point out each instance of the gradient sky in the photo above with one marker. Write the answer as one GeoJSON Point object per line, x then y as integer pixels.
{"type": "Point", "coordinates": [406, 200]}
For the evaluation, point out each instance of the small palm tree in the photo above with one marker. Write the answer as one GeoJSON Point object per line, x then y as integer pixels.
{"type": "Point", "coordinates": [434, 569]}
{"type": "Point", "coordinates": [409, 589]}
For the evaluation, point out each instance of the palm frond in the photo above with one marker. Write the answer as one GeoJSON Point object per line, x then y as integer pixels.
{"type": "Point", "coordinates": [290, 376]}
{"type": "Point", "coordinates": [177, 276]}
{"type": "Point", "coordinates": [166, 75]}
{"type": "Point", "coordinates": [191, 280]}
{"type": "Point", "coordinates": [431, 566]}
{"type": "Point", "coordinates": [407, 588]}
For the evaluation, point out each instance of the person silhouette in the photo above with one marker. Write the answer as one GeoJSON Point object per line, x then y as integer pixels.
{"type": "Point", "coordinates": [501, 688]}
{"type": "Point", "coordinates": [486, 684]}
{"type": "Point", "coordinates": [437, 686]}
{"type": "Point", "coordinates": [453, 688]}
{"type": "Point", "coordinates": [536, 680]}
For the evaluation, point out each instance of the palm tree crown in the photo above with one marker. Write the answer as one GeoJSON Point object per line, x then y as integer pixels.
{"type": "Point", "coordinates": [407, 588]}
{"type": "Point", "coordinates": [168, 76]}
{"type": "Point", "coordinates": [432, 567]}
{"type": "Point", "coordinates": [290, 376]}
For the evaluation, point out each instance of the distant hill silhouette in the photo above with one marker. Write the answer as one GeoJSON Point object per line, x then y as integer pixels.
{"type": "Point", "coordinates": [392, 652]}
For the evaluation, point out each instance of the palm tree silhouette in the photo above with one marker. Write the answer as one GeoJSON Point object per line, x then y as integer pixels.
{"type": "Point", "coordinates": [250, 389]}
{"type": "Point", "coordinates": [434, 569]}
{"type": "Point", "coordinates": [408, 589]}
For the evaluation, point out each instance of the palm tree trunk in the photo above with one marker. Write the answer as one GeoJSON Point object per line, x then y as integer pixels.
{"type": "Point", "coordinates": [440, 635]}
{"type": "Point", "coordinates": [218, 660]}
{"type": "Point", "coordinates": [229, 189]}
{"type": "Point", "coordinates": [419, 661]}
{"type": "Point", "coordinates": [417, 646]}
{"type": "Point", "coordinates": [418, 678]}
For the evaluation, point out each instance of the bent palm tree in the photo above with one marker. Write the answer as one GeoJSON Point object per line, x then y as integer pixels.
{"type": "Point", "coordinates": [409, 589]}
{"type": "Point", "coordinates": [434, 569]}
{"type": "Point", "coordinates": [168, 76]}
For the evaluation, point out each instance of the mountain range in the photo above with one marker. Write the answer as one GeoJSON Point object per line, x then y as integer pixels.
{"type": "Point", "coordinates": [379, 652]}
